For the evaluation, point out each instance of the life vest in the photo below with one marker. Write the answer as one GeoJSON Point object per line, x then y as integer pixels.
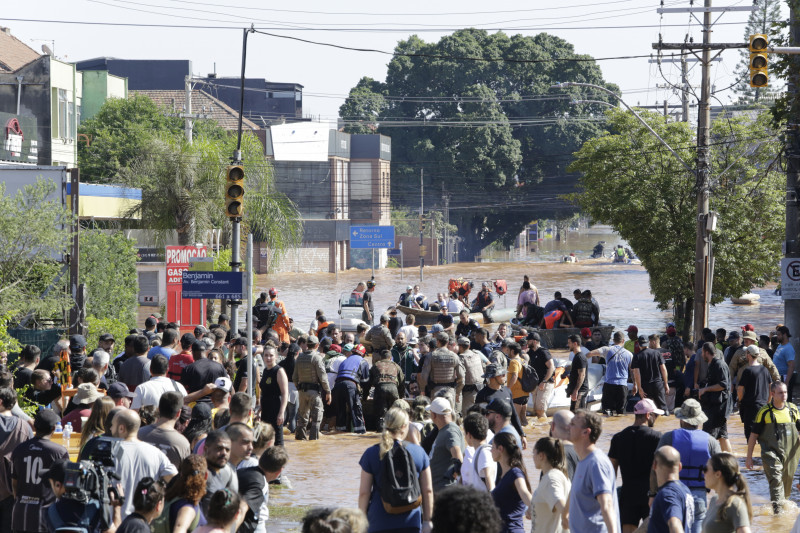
{"type": "Point", "coordinates": [473, 369]}
{"type": "Point", "coordinates": [500, 286]}
{"type": "Point", "coordinates": [348, 369]}
{"type": "Point", "coordinates": [552, 317]}
{"type": "Point", "coordinates": [693, 449]}
{"type": "Point", "coordinates": [582, 312]}
{"type": "Point", "coordinates": [356, 298]}
{"type": "Point", "coordinates": [321, 329]}
{"type": "Point", "coordinates": [443, 367]}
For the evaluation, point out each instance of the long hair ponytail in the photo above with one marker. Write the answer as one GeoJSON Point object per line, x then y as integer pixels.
{"type": "Point", "coordinates": [727, 465]}
{"type": "Point", "coordinates": [553, 450]}
{"type": "Point", "coordinates": [508, 442]}
{"type": "Point", "coordinates": [393, 423]}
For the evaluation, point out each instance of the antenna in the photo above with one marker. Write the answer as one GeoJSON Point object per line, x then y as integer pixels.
{"type": "Point", "coordinates": [47, 50]}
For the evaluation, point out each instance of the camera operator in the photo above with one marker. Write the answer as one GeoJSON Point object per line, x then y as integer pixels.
{"type": "Point", "coordinates": [68, 512]}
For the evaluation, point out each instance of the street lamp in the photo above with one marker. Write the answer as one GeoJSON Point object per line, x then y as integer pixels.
{"type": "Point", "coordinates": [703, 266]}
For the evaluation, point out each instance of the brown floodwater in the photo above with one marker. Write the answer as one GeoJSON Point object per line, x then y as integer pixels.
{"type": "Point", "coordinates": [326, 472]}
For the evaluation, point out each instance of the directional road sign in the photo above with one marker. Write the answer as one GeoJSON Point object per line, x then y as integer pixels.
{"type": "Point", "coordinates": [372, 237]}
{"type": "Point", "coordinates": [213, 285]}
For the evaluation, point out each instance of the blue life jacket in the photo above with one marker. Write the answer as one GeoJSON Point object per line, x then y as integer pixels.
{"type": "Point", "coordinates": [348, 369]}
{"type": "Point", "coordinates": [693, 448]}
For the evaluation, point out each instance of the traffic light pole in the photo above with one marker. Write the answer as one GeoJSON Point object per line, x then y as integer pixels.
{"type": "Point", "coordinates": [791, 309]}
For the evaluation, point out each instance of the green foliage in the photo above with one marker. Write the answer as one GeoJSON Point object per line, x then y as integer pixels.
{"type": "Point", "coordinates": [760, 21]}
{"type": "Point", "coordinates": [108, 268]}
{"type": "Point", "coordinates": [34, 231]}
{"type": "Point", "coordinates": [634, 184]}
{"type": "Point", "coordinates": [8, 343]}
{"type": "Point", "coordinates": [222, 260]}
{"type": "Point", "coordinates": [515, 138]}
{"type": "Point", "coordinates": [98, 326]}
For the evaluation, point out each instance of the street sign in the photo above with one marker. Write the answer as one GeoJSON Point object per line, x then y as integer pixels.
{"type": "Point", "coordinates": [790, 278]}
{"type": "Point", "coordinates": [213, 285]}
{"type": "Point", "coordinates": [189, 313]}
{"type": "Point", "coordinates": [371, 237]}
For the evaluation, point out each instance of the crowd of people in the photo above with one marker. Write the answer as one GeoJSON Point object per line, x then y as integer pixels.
{"type": "Point", "coordinates": [192, 450]}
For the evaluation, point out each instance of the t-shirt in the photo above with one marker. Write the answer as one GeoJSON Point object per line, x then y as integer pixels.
{"type": "Point", "coordinates": [756, 381]}
{"type": "Point", "coordinates": [784, 354]}
{"type": "Point", "coordinates": [515, 367]}
{"type": "Point", "coordinates": [634, 449]}
{"type": "Point", "coordinates": [579, 361]}
{"type": "Point", "coordinates": [136, 460]}
{"type": "Point", "coordinates": [161, 350]}
{"type": "Point", "coordinates": [200, 373]}
{"type": "Point", "coordinates": [718, 374]}
{"type": "Point", "coordinates": [74, 417]}
{"type": "Point", "coordinates": [411, 332]}
{"type": "Point", "coordinates": [649, 363]}
{"type": "Point", "coordinates": [445, 320]}
{"type": "Point", "coordinates": [674, 499]}
{"type": "Point", "coordinates": [553, 486]}
{"type": "Point", "coordinates": [572, 459]}
{"type": "Point", "coordinates": [510, 429]}
{"type": "Point", "coordinates": [177, 363]}
{"type": "Point", "coordinates": [224, 478]}
{"type": "Point", "coordinates": [22, 377]}
{"type": "Point", "coordinates": [134, 523]}
{"type": "Point", "coordinates": [473, 466]}
{"type": "Point", "coordinates": [508, 501]}
{"type": "Point", "coordinates": [618, 359]}
{"type": "Point", "coordinates": [448, 436]}
{"type": "Point", "coordinates": [368, 301]}
{"type": "Point", "coordinates": [735, 516]}
{"type": "Point", "coordinates": [150, 392]}
{"type": "Point", "coordinates": [594, 476]}
{"type": "Point", "coordinates": [379, 519]}
{"type": "Point", "coordinates": [465, 330]}
{"type": "Point", "coordinates": [769, 414]}
{"type": "Point", "coordinates": [539, 360]}
{"type": "Point", "coordinates": [135, 371]}
{"type": "Point", "coordinates": [254, 489]}
{"type": "Point", "coordinates": [173, 444]}
{"type": "Point", "coordinates": [28, 461]}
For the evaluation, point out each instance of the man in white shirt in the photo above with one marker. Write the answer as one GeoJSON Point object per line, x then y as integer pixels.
{"type": "Point", "coordinates": [149, 392]}
{"type": "Point", "coordinates": [410, 330]}
{"type": "Point", "coordinates": [478, 469]}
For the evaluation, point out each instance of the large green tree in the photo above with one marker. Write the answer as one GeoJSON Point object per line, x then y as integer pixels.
{"type": "Point", "coordinates": [108, 268]}
{"type": "Point", "coordinates": [487, 132]}
{"type": "Point", "coordinates": [632, 182]}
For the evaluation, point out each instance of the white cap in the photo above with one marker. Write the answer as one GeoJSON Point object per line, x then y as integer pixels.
{"type": "Point", "coordinates": [223, 383]}
{"type": "Point", "coordinates": [440, 406]}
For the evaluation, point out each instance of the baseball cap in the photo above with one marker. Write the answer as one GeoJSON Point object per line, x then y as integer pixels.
{"type": "Point", "coordinates": [748, 327]}
{"type": "Point", "coordinates": [273, 291]}
{"type": "Point", "coordinates": [586, 333]}
{"type": "Point", "coordinates": [436, 328]}
{"type": "Point", "coordinates": [645, 406]}
{"type": "Point", "coordinates": [671, 330]}
{"type": "Point", "coordinates": [223, 383]}
{"type": "Point", "coordinates": [239, 341]}
{"type": "Point", "coordinates": [633, 329]}
{"type": "Point", "coordinates": [223, 316]}
{"type": "Point", "coordinates": [492, 371]}
{"type": "Point", "coordinates": [335, 348]}
{"type": "Point", "coordinates": [348, 347]}
{"type": "Point", "coordinates": [533, 336]}
{"type": "Point", "coordinates": [106, 337]}
{"type": "Point", "coordinates": [186, 414]}
{"type": "Point", "coordinates": [752, 350]}
{"type": "Point", "coordinates": [463, 341]}
{"type": "Point", "coordinates": [201, 411]}
{"type": "Point", "coordinates": [45, 420]}
{"type": "Point", "coordinates": [409, 288]}
{"type": "Point", "coordinates": [150, 321]}
{"type": "Point", "coordinates": [118, 390]}
{"type": "Point", "coordinates": [642, 340]}
{"type": "Point", "coordinates": [734, 335]}
{"type": "Point", "coordinates": [784, 330]}
{"type": "Point", "coordinates": [77, 342]}
{"type": "Point", "coordinates": [440, 406]}
{"type": "Point", "coordinates": [312, 339]}
{"type": "Point", "coordinates": [500, 406]}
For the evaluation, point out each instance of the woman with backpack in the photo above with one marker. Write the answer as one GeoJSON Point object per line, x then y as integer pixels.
{"type": "Point", "coordinates": [181, 511]}
{"type": "Point", "coordinates": [404, 466]}
{"type": "Point", "coordinates": [513, 492]}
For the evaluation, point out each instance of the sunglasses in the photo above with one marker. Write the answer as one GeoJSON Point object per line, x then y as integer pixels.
{"type": "Point", "coordinates": [704, 469]}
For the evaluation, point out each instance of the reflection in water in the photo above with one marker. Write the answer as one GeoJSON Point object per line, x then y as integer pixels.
{"type": "Point", "coordinates": [326, 472]}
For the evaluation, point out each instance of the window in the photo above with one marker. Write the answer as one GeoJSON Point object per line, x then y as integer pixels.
{"type": "Point", "coordinates": [64, 108]}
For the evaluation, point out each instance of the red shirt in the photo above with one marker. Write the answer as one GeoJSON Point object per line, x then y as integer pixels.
{"type": "Point", "coordinates": [177, 363]}
{"type": "Point", "coordinates": [75, 417]}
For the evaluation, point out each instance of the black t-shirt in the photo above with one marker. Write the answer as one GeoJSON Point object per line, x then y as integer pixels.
{"type": "Point", "coordinates": [22, 377]}
{"type": "Point", "coordinates": [48, 363]}
{"type": "Point", "coordinates": [44, 397]}
{"type": "Point", "coordinates": [394, 325]}
{"type": "Point", "coordinates": [251, 489]}
{"type": "Point", "coordinates": [134, 523]}
{"type": "Point", "coordinates": [634, 448]}
{"type": "Point", "coordinates": [29, 460]}
{"type": "Point", "coordinates": [756, 381]}
{"type": "Point", "coordinates": [487, 394]}
{"type": "Point", "coordinates": [539, 360]}
{"type": "Point", "coordinates": [368, 301]}
{"type": "Point", "coordinates": [445, 320]}
{"type": "Point", "coordinates": [241, 371]}
{"type": "Point", "coordinates": [718, 374]}
{"type": "Point", "coordinates": [572, 460]}
{"type": "Point", "coordinates": [198, 374]}
{"type": "Point", "coordinates": [578, 362]}
{"type": "Point", "coordinates": [465, 330]}
{"type": "Point", "coordinates": [649, 363]}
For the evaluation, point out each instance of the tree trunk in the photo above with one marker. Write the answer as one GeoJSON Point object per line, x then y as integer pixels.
{"type": "Point", "coordinates": [688, 319]}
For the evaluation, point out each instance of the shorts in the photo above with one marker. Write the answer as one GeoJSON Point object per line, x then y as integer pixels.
{"type": "Point", "coordinates": [522, 400]}
{"type": "Point", "coordinates": [632, 512]}
{"type": "Point", "coordinates": [716, 428]}
{"type": "Point", "coordinates": [541, 398]}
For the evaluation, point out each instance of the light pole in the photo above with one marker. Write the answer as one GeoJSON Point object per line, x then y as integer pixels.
{"type": "Point", "coordinates": [703, 270]}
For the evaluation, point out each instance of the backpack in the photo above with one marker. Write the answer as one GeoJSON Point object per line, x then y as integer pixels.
{"type": "Point", "coordinates": [529, 379]}
{"type": "Point", "coordinates": [267, 315]}
{"type": "Point", "coordinates": [399, 486]}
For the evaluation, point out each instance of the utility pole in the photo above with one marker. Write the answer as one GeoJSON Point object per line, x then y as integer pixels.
{"type": "Point", "coordinates": [188, 115]}
{"type": "Point", "coordinates": [791, 308]}
{"type": "Point", "coordinates": [421, 214]}
{"type": "Point", "coordinates": [684, 88]}
{"type": "Point", "coordinates": [446, 222]}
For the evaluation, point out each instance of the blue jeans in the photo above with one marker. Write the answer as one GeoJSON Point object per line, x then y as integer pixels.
{"type": "Point", "coordinates": [700, 505]}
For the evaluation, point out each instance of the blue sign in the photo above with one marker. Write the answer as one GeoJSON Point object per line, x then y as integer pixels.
{"type": "Point", "coordinates": [394, 252]}
{"type": "Point", "coordinates": [371, 236]}
{"type": "Point", "coordinates": [213, 285]}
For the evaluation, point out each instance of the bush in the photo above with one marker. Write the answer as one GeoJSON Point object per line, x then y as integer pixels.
{"type": "Point", "coordinates": [108, 268]}
{"type": "Point", "coordinates": [98, 326]}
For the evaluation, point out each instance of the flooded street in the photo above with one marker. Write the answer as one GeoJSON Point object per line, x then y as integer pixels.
{"type": "Point", "coordinates": [327, 472]}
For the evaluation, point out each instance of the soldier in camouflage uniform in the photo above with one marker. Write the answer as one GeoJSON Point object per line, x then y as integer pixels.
{"type": "Point", "coordinates": [473, 374]}
{"type": "Point", "coordinates": [387, 378]}
{"type": "Point", "coordinates": [443, 370]}
{"type": "Point", "coordinates": [311, 380]}
{"type": "Point", "coordinates": [379, 337]}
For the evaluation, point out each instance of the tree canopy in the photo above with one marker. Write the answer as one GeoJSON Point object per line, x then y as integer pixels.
{"type": "Point", "coordinates": [631, 182]}
{"type": "Point", "coordinates": [475, 112]}
{"type": "Point", "coordinates": [762, 20]}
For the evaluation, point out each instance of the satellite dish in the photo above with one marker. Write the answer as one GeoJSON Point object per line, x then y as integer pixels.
{"type": "Point", "coordinates": [46, 49]}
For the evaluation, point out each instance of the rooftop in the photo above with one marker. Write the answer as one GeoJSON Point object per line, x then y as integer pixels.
{"type": "Point", "coordinates": [202, 102]}
{"type": "Point", "coordinates": [13, 52]}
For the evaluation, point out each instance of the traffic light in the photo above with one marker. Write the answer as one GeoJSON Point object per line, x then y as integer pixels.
{"type": "Point", "coordinates": [423, 224]}
{"type": "Point", "coordinates": [758, 60]}
{"type": "Point", "coordinates": [234, 191]}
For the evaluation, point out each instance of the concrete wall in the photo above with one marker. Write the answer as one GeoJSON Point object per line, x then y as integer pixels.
{"type": "Point", "coordinates": [35, 101]}
{"type": "Point", "coordinates": [99, 86]}
{"type": "Point", "coordinates": [411, 250]}
{"type": "Point", "coordinates": [64, 144]}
